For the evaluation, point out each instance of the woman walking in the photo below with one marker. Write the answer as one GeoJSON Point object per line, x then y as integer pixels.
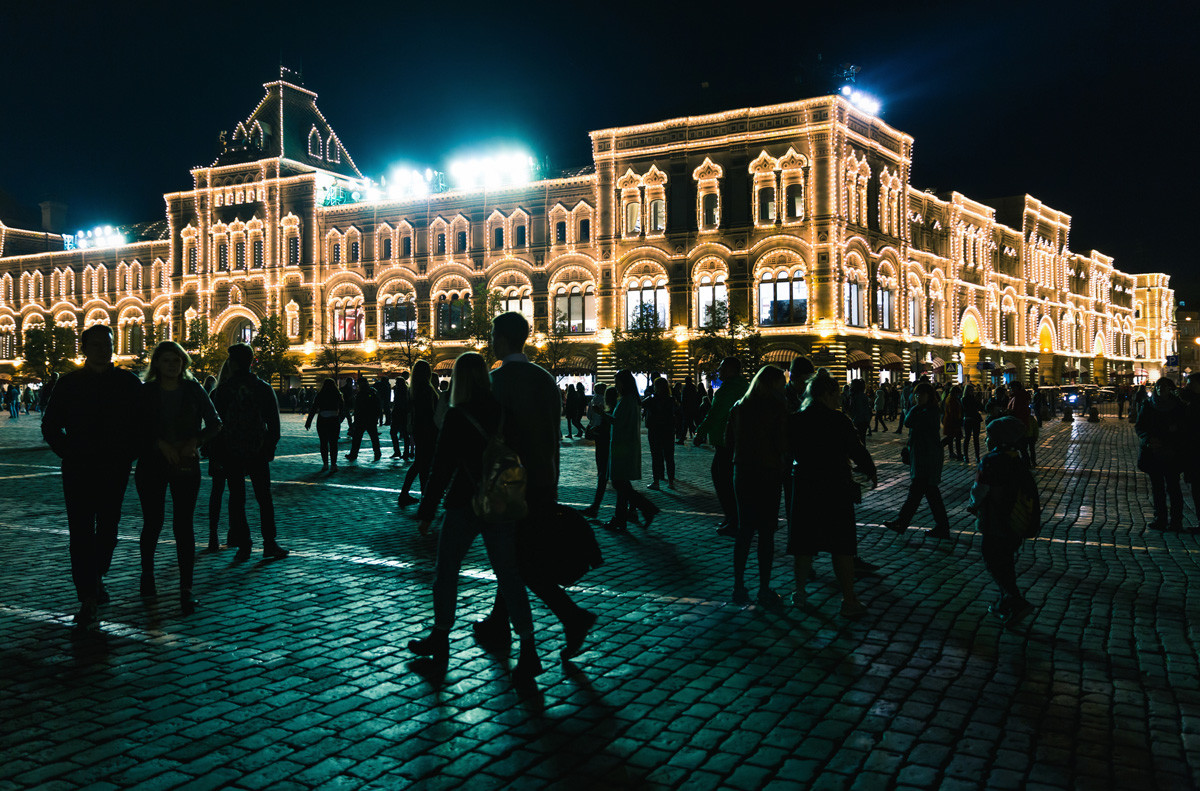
{"type": "Point", "coordinates": [423, 404]}
{"type": "Point", "coordinates": [662, 411]}
{"type": "Point", "coordinates": [881, 405]}
{"type": "Point", "coordinates": [173, 407]}
{"type": "Point", "coordinates": [824, 443]}
{"type": "Point", "coordinates": [327, 408]}
{"type": "Point", "coordinates": [625, 455]}
{"type": "Point", "coordinates": [474, 417]}
{"type": "Point", "coordinates": [972, 421]}
{"type": "Point", "coordinates": [756, 435]}
{"type": "Point", "coordinates": [926, 458]}
{"type": "Point", "coordinates": [600, 419]}
{"type": "Point", "coordinates": [952, 417]}
{"type": "Point", "coordinates": [860, 409]}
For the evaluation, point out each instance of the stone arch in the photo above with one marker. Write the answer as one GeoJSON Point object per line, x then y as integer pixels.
{"type": "Point", "coordinates": [1047, 337]}
{"type": "Point", "coordinates": [970, 327]}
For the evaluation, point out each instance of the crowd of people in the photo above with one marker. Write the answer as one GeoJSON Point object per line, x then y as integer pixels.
{"type": "Point", "coordinates": [484, 449]}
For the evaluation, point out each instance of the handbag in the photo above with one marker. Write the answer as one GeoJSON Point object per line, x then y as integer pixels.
{"type": "Point", "coordinates": [906, 455]}
{"type": "Point", "coordinates": [562, 547]}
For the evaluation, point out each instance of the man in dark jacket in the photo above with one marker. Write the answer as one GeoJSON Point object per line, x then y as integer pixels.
{"type": "Point", "coordinates": [90, 423]}
{"type": "Point", "coordinates": [532, 414]}
{"type": "Point", "coordinates": [400, 407]}
{"type": "Point", "coordinates": [246, 447]}
{"type": "Point", "coordinates": [366, 418]}
{"type": "Point", "coordinates": [1190, 396]}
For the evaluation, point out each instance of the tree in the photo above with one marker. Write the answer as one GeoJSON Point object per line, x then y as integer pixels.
{"type": "Point", "coordinates": [725, 334]}
{"type": "Point", "coordinates": [410, 347]}
{"type": "Point", "coordinates": [335, 356]}
{"type": "Point", "coordinates": [48, 350]}
{"type": "Point", "coordinates": [273, 351]}
{"type": "Point", "coordinates": [484, 307]}
{"type": "Point", "coordinates": [643, 347]}
{"type": "Point", "coordinates": [559, 346]}
{"type": "Point", "coordinates": [141, 360]}
{"type": "Point", "coordinates": [204, 348]}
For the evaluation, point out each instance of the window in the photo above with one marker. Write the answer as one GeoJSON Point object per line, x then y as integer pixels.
{"type": "Point", "coordinates": [576, 308]}
{"type": "Point", "coordinates": [794, 200]}
{"type": "Point", "coordinates": [498, 238]}
{"type": "Point", "coordinates": [452, 315]}
{"type": "Point", "coordinates": [348, 323]}
{"type": "Point", "coordinates": [585, 231]}
{"type": "Point", "coordinates": [766, 204]}
{"type": "Point", "coordinates": [354, 252]}
{"type": "Point", "coordinates": [258, 253]}
{"type": "Point", "coordinates": [406, 247]}
{"type": "Point", "coordinates": [782, 299]}
{"type": "Point", "coordinates": [710, 294]}
{"type": "Point", "coordinates": [461, 244]}
{"type": "Point", "coordinates": [222, 256]}
{"type": "Point", "coordinates": [387, 248]}
{"type": "Point", "coordinates": [337, 253]}
{"type": "Point", "coordinates": [293, 251]}
{"type": "Point", "coordinates": [441, 244]}
{"type": "Point", "coordinates": [518, 303]}
{"type": "Point", "coordinates": [399, 321]}
{"type": "Point", "coordinates": [711, 213]}
{"type": "Point", "coordinates": [854, 315]}
{"type": "Point", "coordinates": [885, 300]}
{"type": "Point", "coordinates": [914, 315]}
{"type": "Point", "coordinates": [633, 218]}
{"type": "Point", "coordinates": [239, 255]}
{"type": "Point", "coordinates": [933, 324]}
{"type": "Point", "coordinates": [650, 293]}
{"type": "Point", "coordinates": [560, 232]}
{"type": "Point", "coordinates": [658, 215]}
{"type": "Point", "coordinates": [191, 261]}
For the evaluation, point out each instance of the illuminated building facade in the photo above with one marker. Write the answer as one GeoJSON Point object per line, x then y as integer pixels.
{"type": "Point", "coordinates": [799, 216]}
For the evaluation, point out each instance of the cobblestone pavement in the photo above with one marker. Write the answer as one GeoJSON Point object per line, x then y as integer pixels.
{"type": "Point", "coordinates": [294, 673]}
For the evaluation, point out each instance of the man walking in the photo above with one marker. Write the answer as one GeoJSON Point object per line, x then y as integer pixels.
{"type": "Point", "coordinates": [366, 419]}
{"type": "Point", "coordinates": [246, 446]}
{"type": "Point", "coordinates": [90, 423]}
{"type": "Point", "coordinates": [733, 387]}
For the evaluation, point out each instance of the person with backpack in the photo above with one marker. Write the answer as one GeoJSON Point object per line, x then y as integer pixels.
{"type": "Point", "coordinates": [469, 459]}
{"type": "Point", "coordinates": [327, 409]}
{"type": "Point", "coordinates": [246, 447]}
{"type": "Point", "coordinates": [1004, 500]}
{"type": "Point", "coordinates": [423, 403]}
{"type": "Point", "coordinates": [366, 419]}
{"type": "Point", "coordinates": [173, 406]}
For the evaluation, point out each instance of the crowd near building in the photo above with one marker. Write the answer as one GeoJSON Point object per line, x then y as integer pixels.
{"type": "Point", "coordinates": [800, 217]}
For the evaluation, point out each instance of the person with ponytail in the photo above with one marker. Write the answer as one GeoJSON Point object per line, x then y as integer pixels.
{"type": "Point", "coordinates": [823, 444]}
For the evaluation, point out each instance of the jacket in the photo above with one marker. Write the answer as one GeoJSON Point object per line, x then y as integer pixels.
{"type": "Point", "coordinates": [757, 434]}
{"type": "Point", "coordinates": [194, 408]}
{"type": "Point", "coordinates": [925, 444]}
{"type": "Point", "coordinates": [625, 448]}
{"type": "Point", "coordinates": [93, 415]}
{"type": "Point", "coordinates": [713, 425]}
{"type": "Point", "coordinates": [533, 423]}
{"type": "Point", "coordinates": [824, 443]}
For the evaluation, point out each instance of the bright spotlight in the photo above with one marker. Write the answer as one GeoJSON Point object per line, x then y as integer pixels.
{"type": "Point", "coordinates": [492, 172]}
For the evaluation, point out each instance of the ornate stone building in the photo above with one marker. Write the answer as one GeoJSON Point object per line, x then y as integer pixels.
{"type": "Point", "coordinates": [799, 216]}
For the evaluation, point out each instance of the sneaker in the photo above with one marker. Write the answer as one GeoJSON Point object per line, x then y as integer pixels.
{"type": "Point", "coordinates": [529, 665]}
{"type": "Point", "coordinates": [998, 612]}
{"type": "Point", "coordinates": [324, 468]}
{"type": "Point", "coordinates": [769, 598]}
{"type": "Point", "coordinates": [351, 458]}
{"type": "Point", "coordinates": [243, 553]}
{"type": "Point", "coordinates": [894, 527]}
{"type": "Point", "coordinates": [615, 526]}
{"type": "Point", "coordinates": [863, 568]}
{"type": "Point", "coordinates": [655, 486]}
{"type": "Point", "coordinates": [87, 617]}
{"type": "Point", "coordinates": [799, 599]}
{"type": "Point", "coordinates": [492, 634]}
{"type": "Point", "coordinates": [647, 518]}
{"type": "Point", "coordinates": [435, 646]}
{"type": "Point", "coordinates": [741, 595]}
{"type": "Point", "coordinates": [575, 633]}
{"type": "Point", "coordinates": [406, 499]}
{"type": "Point", "coordinates": [187, 602]}
{"type": "Point", "coordinates": [274, 551]}
{"type": "Point", "coordinates": [378, 456]}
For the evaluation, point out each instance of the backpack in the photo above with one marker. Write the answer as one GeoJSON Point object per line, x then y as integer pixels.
{"type": "Point", "coordinates": [1025, 518]}
{"type": "Point", "coordinates": [500, 491]}
{"type": "Point", "coordinates": [244, 429]}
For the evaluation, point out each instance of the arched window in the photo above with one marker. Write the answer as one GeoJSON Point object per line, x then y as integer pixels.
{"type": "Point", "coordinates": [399, 320]}
{"type": "Point", "coordinates": [782, 299]}
{"type": "Point", "coordinates": [658, 215]}
{"type": "Point", "coordinates": [885, 306]}
{"type": "Point", "coordinates": [854, 303]}
{"type": "Point", "coordinates": [633, 218]}
{"type": "Point", "coordinates": [519, 236]}
{"type": "Point", "coordinates": [335, 253]}
{"type": "Point", "coordinates": [710, 211]}
{"type": "Point", "coordinates": [650, 293]}
{"type": "Point", "coordinates": [452, 315]}
{"type": "Point", "coordinates": [712, 301]}
{"type": "Point", "coordinates": [406, 247]}
{"type": "Point", "coordinates": [935, 316]}
{"type": "Point", "coordinates": [293, 251]}
{"type": "Point", "coordinates": [498, 237]}
{"type": "Point", "coordinates": [518, 301]}
{"type": "Point", "coordinates": [560, 232]}
{"type": "Point", "coordinates": [349, 321]}
{"type": "Point", "coordinates": [258, 253]}
{"type": "Point", "coordinates": [575, 308]}
{"type": "Point", "coordinates": [766, 203]}
{"type": "Point", "coordinates": [354, 250]}
{"type": "Point", "coordinates": [222, 257]}
{"type": "Point", "coordinates": [239, 255]}
{"type": "Point", "coordinates": [585, 231]}
{"type": "Point", "coordinates": [794, 201]}
{"type": "Point", "coordinates": [914, 312]}
{"type": "Point", "coordinates": [441, 244]}
{"type": "Point", "coordinates": [314, 143]}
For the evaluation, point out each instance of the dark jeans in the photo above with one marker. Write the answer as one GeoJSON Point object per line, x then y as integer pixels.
{"type": "Point", "coordinates": [601, 473]}
{"type": "Point", "coordinates": [722, 478]}
{"type": "Point", "coordinates": [459, 529]}
{"type": "Point", "coordinates": [971, 430]}
{"type": "Point", "coordinates": [1163, 484]}
{"type": "Point", "coordinates": [629, 499]}
{"type": "Point", "coordinates": [399, 432]}
{"type": "Point", "coordinates": [328, 429]}
{"type": "Point", "coordinates": [662, 453]}
{"type": "Point", "coordinates": [1000, 557]}
{"type": "Point", "coordinates": [538, 579]}
{"type": "Point", "coordinates": [259, 472]}
{"type": "Point", "coordinates": [153, 477]}
{"type": "Point", "coordinates": [923, 487]}
{"type": "Point", "coordinates": [357, 434]}
{"type": "Point", "coordinates": [215, 495]}
{"type": "Point", "coordinates": [422, 465]}
{"type": "Point", "coordinates": [94, 490]}
{"type": "Point", "coordinates": [758, 491]}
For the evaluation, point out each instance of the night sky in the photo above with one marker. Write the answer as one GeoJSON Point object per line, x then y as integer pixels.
{"type": "Point", "coordinates": [1090, 107]}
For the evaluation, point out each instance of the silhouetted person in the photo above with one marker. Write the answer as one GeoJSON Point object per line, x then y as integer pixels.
{"type": "Point", "coordinates": [600, 423]}
{"type": "Point", "coordinates": [952, 419]}
{"type": "Point", "coordinates": [880, 408]}
{"type": "Point", "coordinates": [246, 447]}
{"type": "Point", "coordinates": [689, 400]}
{"type": "Point", "coordinates": [348, 405]}
{"type": "Point", "coordinates": [926, 458]}
{"type": "Point", "coordinates": [47, 390]}
{"type": "Point", "coordinates": [327, 408]}
{"type": "Point", "coordinates": [423, 401]}
{"type": "Point", "coordinates": [625, 455]}
{"type": "Point", "coordinates": [383, 390]}
{"type": "Point", "coordinates": [216, 475]}
{"type": "Point", "coordinates": [91, 424]}
{"type": "Point", "coordinates": [473, 419]}
{"type": "Point", "coordinates": [1000, 479]}
{"type": "Point", "coordinates": [1020, 406]}
{"type": "Point", "coordinates": [1162, 426]}
{"type": "Point", "coordinates": [1190, 396]}
{"type": "Point", "coordinates": [400, 417]}
{"type": "Point", "coordinates": [173, 408]}
{"type": "Point", "coordinates": [366, 419]}
{"type": "Point", "coordinates": [712, 427]}
{"type": "Point", "coordinates": [662, 412]}
{"type": "Point", "coordinates": [860, 409]}
{"type": "Point", "coordinates": [532, 429]}
{"type": "Point", "coordinates": [756, 434]}
{"type": "Point", "coordinates": [823, 443]}
{"type": "Point", "coordinates": [972, 421]}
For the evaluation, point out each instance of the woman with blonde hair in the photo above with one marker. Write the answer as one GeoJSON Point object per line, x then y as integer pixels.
{"type": "Point", "coordinates": [474, 417]}
{"type": "Point", "coordinates": [756, 436]}
{"type": "Point", "coordinates": [173, 407]}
